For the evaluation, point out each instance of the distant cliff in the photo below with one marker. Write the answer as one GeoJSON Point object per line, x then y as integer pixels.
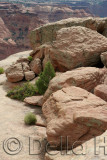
{"type": "Point", "coordinates": [20, 19]}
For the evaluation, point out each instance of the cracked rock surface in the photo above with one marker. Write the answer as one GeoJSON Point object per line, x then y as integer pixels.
{"type": "Point", "coordinates": [73, 47]}
{"type": "Point", "coordinates": [75, 113]}
{"type": "Point", "coordinates": [85, 77]}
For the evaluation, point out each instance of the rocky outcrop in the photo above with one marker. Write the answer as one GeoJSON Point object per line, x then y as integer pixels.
{"type": "Point", "coordinates": [20, 70]}
{"type": "Point", "coordinates": [87, 78]}
{"type": "Point", "coordinates": [73, 47]}
{"type": "Point", "coordinates": [75, 113]}
{"type": "Point", "coordinates": [101, 91]}
{"type": "Point", "coordinates": [47, 33]}
{"type": "Point", "coordinates": [34, 100]}
{"type": "Point", "coordinates": [15, 73]}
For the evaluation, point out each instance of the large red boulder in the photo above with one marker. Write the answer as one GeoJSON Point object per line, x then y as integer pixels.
{"type": "Point", "coordinates": [75, 113]}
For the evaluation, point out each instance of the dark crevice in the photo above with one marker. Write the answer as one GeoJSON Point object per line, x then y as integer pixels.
{"type": "Point", "coordinates": [101, 29]}
{"type": "Point", "coordinates": [99, 64]}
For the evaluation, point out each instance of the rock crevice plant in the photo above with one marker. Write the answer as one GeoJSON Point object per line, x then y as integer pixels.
{"type": "Point", "coordinates": [44, 78]}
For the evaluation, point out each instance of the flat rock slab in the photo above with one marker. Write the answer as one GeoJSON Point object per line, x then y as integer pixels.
{"type": "Point", "coordinates": [75, 113]}
{"type": "Point", "coordinates": [34, 100]}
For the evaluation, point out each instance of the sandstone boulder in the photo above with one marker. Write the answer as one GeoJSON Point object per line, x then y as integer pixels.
{"type": "Point", "coordinates": [87, 78]}
{"type": "Point", "coordinates": [34, 100]}
{"type": "Point", "coordinates": [90, 150]}
{"type": "Point", "coordinates": [35, 66]}
{"type": "Point", "coordinates": [15, 73]}
{"type": "Point", "coordinates": [75, 113]}
{"type": "Point", "coordinates": [101, 91]}
{"type": "Point", "coordinates": [73, 47]}
{"type": "Point", "coordinates": [104, 58]}
{"type": "Point", "coordinates": [47, 33]}
{"type": "Point", "coordinates": [29, 75]}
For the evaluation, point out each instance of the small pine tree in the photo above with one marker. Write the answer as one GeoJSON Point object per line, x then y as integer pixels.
{"type": "Point", "coordinates": [44, 78]}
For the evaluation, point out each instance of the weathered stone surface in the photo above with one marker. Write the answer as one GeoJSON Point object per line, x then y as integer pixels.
{"type": "Point", "coordinates": [87, 78]}
{"type": "Point", "coordinates": [41, 121]}
{"type": "Point", "coordinates": [15, 57]}
{"type": "Point", "coordinates": [34, 100]}
{"type": "Point", "coordinates": [104, 58]}
{"type": "Point", "coordinates": [101, 91]}
{"type": "Point", "coordinates": [2, 79]}
{"type": "Point", "coordinates": [35, 66]}
{"type": "Point", "coordinates": [47, 33]}
{"type": "Point", "coordinates": [29, 75]}
{"type": "Point", "coordinates": [15, 73]}
{"type": "Point", "coordinates": [75, 113]}
{"type": "Point", "coordinates": [73, 47]}
{"type": "Point", "coordinates": [21, 60]}
{"type": "Point", "coordinates": [91, 150]}
{"type": "Point", "coordinates": [26, 67]}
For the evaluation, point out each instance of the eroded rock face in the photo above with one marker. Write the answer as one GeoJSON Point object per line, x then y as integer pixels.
{"type": "Point", "coordinates": [73, 47]}
{"type": "Point", "coordinates": [15, 73]}
{"type": "Point", "coordinates": [101, 91]}
{"type": "Point", "coordinates": [75, 113]}
{"type": "Point", "coordinates": [87, 78]}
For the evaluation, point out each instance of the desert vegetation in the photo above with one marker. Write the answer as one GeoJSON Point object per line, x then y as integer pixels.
{"type": "Point", "coordinates": [30, 58]}
{"type": "Point", "coordinates": [27, 89]}
{"type": "Point", "coordinates": [30, 119]}
{"type": "Point", "coordinates": [1, 70]}
{"type": "Point", "coordinates": [44, 78]}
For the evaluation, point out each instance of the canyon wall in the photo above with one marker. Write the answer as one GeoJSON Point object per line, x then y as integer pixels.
{"type": "Point", "coordinates": [17, 20]}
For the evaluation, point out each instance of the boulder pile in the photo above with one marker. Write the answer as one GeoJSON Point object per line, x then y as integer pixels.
{"type": "Point", "coordinates": [75, 103]}
{"type": "Point", "coordinates": [22, 69]}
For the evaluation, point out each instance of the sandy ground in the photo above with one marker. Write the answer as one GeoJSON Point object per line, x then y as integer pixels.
{"type": "Point", "coordinates": [14, 134]}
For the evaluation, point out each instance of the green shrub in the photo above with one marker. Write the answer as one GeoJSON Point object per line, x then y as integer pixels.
{"type": "Point", "coordinates": [44, 78]}
{"type": "Point", "coordinates": [23, 91]}
{"type": "Point", "coordinates": [30, 119]}
{"type": "Point", "coordinates": [30, 58]}
{"type": "Point", "coordinates": [1, 70]}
